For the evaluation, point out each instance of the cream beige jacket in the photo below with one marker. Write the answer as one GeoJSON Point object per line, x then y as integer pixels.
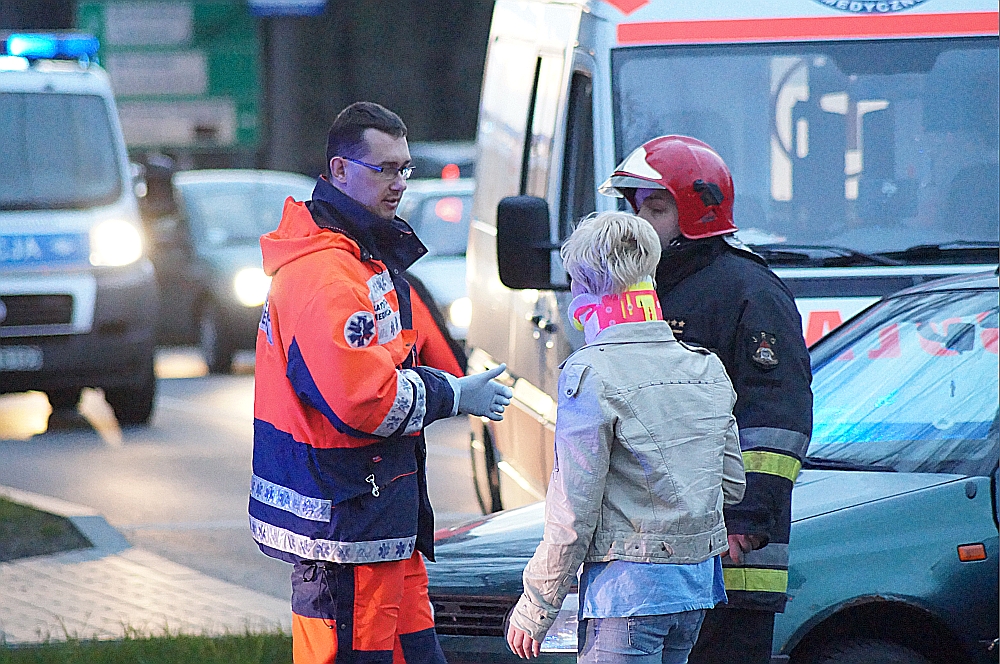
{"type": "Point", "coordinates": [647, 452]}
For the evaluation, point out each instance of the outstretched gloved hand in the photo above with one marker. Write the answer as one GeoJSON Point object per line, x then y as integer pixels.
{"type": "Point", "coordinates": [480, 395]}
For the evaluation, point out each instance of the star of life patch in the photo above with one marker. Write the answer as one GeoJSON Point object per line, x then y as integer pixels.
{"type": "Point", "coordinates": [265, 322]}
{"type": "Point", "coordinates": [359, 330]}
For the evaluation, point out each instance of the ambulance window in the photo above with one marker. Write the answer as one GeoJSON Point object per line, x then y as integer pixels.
{"type": "Point", "coordinates": [542, 120]}
{"type": "Point", "coordinates": [57, 151]}
{"type": "Point", "coordinates": [578, 157]}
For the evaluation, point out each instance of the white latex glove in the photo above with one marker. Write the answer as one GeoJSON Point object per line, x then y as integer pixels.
{"type": "Point", "coordinates": [480, 395]}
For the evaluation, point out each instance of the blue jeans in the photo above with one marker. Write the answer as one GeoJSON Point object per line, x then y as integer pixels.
{"type": "Point", "coordinates": [664, 639]}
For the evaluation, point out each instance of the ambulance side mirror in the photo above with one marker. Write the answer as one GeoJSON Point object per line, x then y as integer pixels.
{"type": "Point", "coordinates": [524, 250]}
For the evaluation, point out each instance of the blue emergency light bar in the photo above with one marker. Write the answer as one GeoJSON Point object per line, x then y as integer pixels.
{"type": "Point", "coordinates": [54, 46]}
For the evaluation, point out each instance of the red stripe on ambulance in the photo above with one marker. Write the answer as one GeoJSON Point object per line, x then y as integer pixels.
{"type": "Point", "coordinates": [879, 26]}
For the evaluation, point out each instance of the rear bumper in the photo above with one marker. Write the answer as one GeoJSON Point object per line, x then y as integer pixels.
{"type": "Point", "coordinates": [117, 350]}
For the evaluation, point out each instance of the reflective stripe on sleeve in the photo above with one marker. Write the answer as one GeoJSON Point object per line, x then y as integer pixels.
{"type": "Point", "coordinates": [786, 440]}
{"type": "Point", "coordinates": [771, 463]}
{"type": "Point", "coordinates": [755, 580]}
{"type": "Point", "coordinates": [416, 422]}
{"type": "Point", "coordinates": [400, 407]}
{"type": "Point", "coordinates": [289, 500]}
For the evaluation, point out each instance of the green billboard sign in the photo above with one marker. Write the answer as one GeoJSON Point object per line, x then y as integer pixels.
{"type": "Point", "coordinates": [186, 73]}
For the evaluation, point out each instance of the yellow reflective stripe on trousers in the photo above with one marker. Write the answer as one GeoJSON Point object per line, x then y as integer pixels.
{"type": "Point", "coordinates": [755, 580]}
{"type": "Point", "coordinates": [771, 463]}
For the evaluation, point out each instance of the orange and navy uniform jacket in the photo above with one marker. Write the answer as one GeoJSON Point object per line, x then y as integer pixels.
{"type": "Point", "coordinates": [339, 406]}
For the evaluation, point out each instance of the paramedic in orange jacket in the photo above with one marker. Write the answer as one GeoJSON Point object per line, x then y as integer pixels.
{"type": "Point", "coordinates": [339, 484]}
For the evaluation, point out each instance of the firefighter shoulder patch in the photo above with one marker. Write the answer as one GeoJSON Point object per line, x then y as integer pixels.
{"type": "Point", "coordinates": [763, 352]}
{"type": "Point", "coordinates": [359, 330]}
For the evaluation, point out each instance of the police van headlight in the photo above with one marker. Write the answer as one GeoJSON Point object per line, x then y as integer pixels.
{"type": "Point", "coordinates": [251, 285]}
{"type": "Point", "coordinates": [115, 242]}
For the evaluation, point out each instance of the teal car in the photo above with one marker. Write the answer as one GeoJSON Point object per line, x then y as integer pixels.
{"type": "Point", "coordinates": [894, 548]}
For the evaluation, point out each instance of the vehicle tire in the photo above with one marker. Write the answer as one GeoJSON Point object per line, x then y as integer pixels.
{"type": "Point", "coordinates": [485, 471]}
{"type": "Point", "coordinates": [64, 399]}
{"type": "Point", "coordinates": [213, 341]}
{"type": "Point", "coordinates": [133, 404]}
{"type": "Point", "coordinates": [869, 651]}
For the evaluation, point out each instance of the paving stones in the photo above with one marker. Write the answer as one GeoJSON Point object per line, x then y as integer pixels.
{"type": "Point", "coordinates": [110, 591]}
{"type": "Point", "coordinates": [90, 595]}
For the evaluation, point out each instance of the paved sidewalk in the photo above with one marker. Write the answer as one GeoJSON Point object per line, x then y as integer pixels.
{"type": "Point", "coordinates": [112, 589]}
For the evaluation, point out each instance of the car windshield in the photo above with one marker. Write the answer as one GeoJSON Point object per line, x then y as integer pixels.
{"type": "Point", "coordinates": [226, 213]}
{"type": "Point", "coordinates": [912, 385]}
{"type": "Point", "coordinates": [874, 146]}
{"type": "Point", "coordinates": [57, 151]}
{"type": "Point", "coordinates": [442, 223]}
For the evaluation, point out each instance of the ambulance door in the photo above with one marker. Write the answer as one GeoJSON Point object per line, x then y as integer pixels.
{"type": "Point", "coordinates": [507, 93]}
{"type": "Point", "coordinates": [523, 100]}
{"type": "Point", "coordinates": [534, 318]}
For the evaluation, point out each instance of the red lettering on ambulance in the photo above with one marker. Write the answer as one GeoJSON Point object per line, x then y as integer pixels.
{"type": "Point", "coordinates": [988, 335]}
{"type": "Point", "coordinates": [931, 340]}
{"type": "Point", "coordinates": [888, 343]}
{"type": "Point", "coordinates": [820, 324]}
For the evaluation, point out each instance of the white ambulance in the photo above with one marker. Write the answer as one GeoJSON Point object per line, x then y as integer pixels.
{"type": "Point", "coordinates": [78, 299]}
{"type": "Point", "coordinates": [862, 138]}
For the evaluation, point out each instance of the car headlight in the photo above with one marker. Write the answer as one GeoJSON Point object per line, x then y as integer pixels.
{"type": "Point", "coordinates": [251, 286]}
{"type": "Point", "coordinates": [460, 312]}
{"type": "Point", "coordinates": [562, 636]}
{"type": "Point", "coordinates": [114, 242]}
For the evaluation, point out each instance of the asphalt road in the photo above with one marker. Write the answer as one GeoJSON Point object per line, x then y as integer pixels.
{"type": "Point", "coordinates": [179, 487]}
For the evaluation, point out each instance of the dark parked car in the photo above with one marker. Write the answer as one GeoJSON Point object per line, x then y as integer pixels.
{"type": "Point", "coordinates": [893, 553]}
{"type": "Point", "coordinates": [207, 256]}
{"type": "Point", "coordinates": [443, 159]}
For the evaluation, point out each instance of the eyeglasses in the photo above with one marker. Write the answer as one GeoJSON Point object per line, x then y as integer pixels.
{"type": "Point", "coordinates": [388, 172]}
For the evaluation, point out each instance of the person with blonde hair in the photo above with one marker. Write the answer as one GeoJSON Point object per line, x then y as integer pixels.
{"type": "Point", "coordinates": [646, 455]}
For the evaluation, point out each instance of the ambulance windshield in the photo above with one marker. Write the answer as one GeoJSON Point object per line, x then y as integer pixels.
{"type": "Point", "coordinates": [871, 146]}
{"type": "Point", "coordinates": [57, 151]}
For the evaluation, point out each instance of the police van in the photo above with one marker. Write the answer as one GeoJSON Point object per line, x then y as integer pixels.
{"type": "Point", "coordinates": [862, 139]}
{"type": "Point", "coordinates": [78, 299]}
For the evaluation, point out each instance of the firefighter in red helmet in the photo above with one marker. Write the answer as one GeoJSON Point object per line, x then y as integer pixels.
{"type": "Point", "coordinates": [716, 293]}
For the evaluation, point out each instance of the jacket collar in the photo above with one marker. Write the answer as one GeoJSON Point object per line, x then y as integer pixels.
{"type": "Point", "coordinates": [392, 242]}
{"type": "Point", "coordinates": [630, 333]}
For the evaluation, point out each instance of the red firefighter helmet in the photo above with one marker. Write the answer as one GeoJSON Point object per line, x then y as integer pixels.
{"type": "Point", "coordinates": [691, 171]}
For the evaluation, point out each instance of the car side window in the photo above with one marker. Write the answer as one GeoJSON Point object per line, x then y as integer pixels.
{"type": "Point", "coordinates": [578, 160]}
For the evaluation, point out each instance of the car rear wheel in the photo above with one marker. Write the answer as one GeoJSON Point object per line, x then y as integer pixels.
{"type": "Point", "coordinates": [133, 404]}
{"type": "Point", "coordinates": [485, 471]}
{"type": "Point", "coordinates": [215, 346]}
{"type": "Point", "coordinates": [869, 651]}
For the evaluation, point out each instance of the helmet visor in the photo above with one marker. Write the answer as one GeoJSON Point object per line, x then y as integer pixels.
{"type": "Point", "coordinates": [613, 185]}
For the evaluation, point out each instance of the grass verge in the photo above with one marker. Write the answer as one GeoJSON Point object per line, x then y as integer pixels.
{"type": "Point", "coordinates": [25, 531]}
{"type": "Point", "coordinates": [265, 648]}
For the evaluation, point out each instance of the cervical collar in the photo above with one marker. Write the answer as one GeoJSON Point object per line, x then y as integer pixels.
{"type": "Point", "coordinates": [593, 313]}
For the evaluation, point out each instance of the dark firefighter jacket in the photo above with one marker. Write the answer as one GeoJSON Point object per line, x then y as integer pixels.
{"type": "Point", "coordinates": [725, 298]}
{"type": "Point", "coordinates": [339, 405]}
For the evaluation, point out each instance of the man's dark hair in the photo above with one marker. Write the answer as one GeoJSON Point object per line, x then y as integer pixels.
{"type": "Point", "coordinates": [346, 133]}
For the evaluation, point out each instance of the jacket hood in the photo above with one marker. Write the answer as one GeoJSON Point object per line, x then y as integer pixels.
{"type": "Point", "coordinates": [298, 235]}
